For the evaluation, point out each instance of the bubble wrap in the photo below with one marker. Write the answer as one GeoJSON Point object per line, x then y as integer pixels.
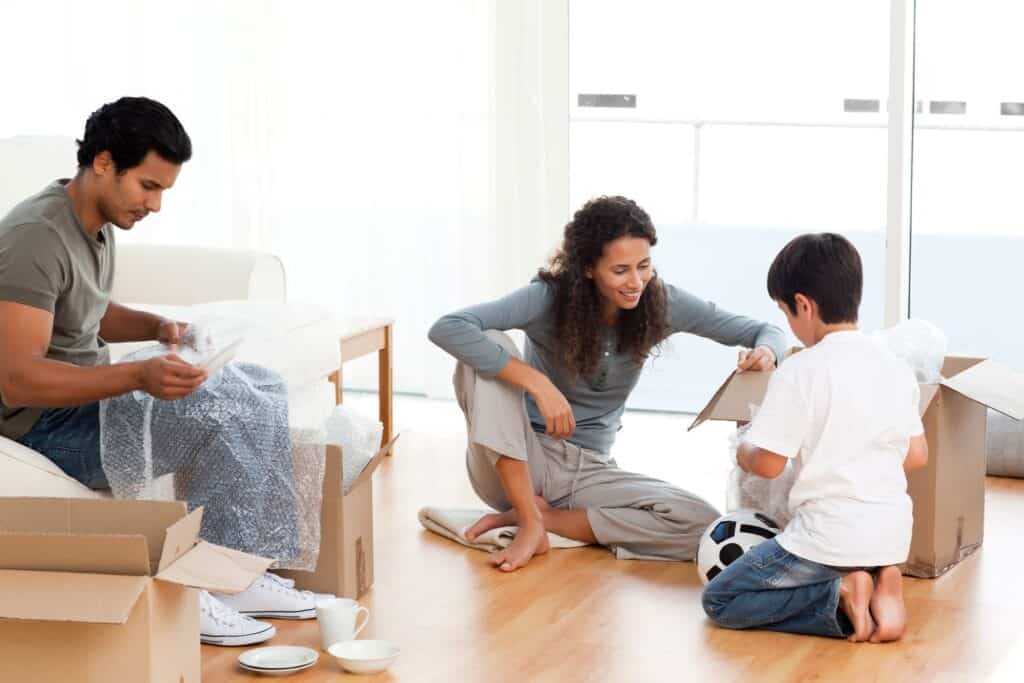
{"type": "Point", "coordinates": [921, 344]}
{"type": "Point", "coordinates": [751, 492]}
{"type": "Point", "coordinates": [1005, 446]}
{"type": "Point", "coordinates": [359, 438]}
{"type": "Point", "coordinates": [230, 450]}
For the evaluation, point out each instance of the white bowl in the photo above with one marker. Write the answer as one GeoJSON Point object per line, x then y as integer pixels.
{"type": "Point", "coordinates": [364, 656]}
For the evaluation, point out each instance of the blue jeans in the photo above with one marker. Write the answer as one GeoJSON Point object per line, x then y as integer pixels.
{"type": "Point", "coordinates": [770, 588]}
{"type": "Point", "coordinates": [70, 437]}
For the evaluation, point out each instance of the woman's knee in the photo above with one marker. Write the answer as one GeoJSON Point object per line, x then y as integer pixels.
{"type": "Point", "coordinates": [503, 340]}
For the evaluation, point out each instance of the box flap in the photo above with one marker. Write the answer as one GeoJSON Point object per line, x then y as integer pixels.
{"type": "Point", "coordinates": [180, 538]}
{"type": "Point", "coordinates": [63, 596]}
{"type": "Point", "coordinates": [99, 554]}
{"type": "Point", "coordinates": [928, 392]}
{"type": "Point", "coordinates": [374, 462]}
{"type": "Point", "coordinates": [216, 568]}
{"type": "Point", "coordinates": [992, 384]}
{"type": "Point", "coordinates": [732, 400]}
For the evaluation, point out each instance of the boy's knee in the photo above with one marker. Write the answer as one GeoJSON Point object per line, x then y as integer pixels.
{"type": "Point", "coordinates": [714, 603]}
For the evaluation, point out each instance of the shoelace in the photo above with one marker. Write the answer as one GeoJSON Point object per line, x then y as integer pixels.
{"type": "Point", "coordinates": [220, 613]}
{"type": "Point", "coordinates": [276, 583]}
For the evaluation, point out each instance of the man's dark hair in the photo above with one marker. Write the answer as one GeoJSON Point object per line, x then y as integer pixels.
{"type": "Point", "coordinates": [824, 267]}
{"type": "Point", "coordinates": [129, 128]}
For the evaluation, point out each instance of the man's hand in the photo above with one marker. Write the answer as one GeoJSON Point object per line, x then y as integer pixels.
{"type": "Point", "coordinates": [170, 332]}
{"type": "Point", "coordinates": [169, 377]}
{"type": "Point", "coordinates": [761, 359]}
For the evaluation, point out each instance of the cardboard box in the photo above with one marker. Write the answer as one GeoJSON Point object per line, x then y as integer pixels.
{"type": "Point", "coordinates": [102, 590]}
{"type": "Point", "coordinates": [345, 563]}
{"type": "Point", "coordinates": [949, 493]}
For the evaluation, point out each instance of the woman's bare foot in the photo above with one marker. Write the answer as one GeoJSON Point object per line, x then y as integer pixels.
{"type": "Point", "coordinates": [494, 520]}
{"type": "Point", "coordinates": [530, 540]}
{"type": "Point", "coordinates": [854, 599]}
{"type": "Point", "coordinates": [887, 606]}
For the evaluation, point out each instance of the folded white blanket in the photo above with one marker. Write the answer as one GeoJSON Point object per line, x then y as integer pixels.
{"type": "Point", "coordinates": [452, 523]}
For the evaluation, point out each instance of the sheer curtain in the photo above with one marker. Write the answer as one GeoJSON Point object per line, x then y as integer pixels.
{"type": "Point", "coordinates": [403, 158]}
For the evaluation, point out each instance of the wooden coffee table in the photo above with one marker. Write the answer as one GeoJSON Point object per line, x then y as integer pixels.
{"type": "Point", "coordinates": [358, 337]}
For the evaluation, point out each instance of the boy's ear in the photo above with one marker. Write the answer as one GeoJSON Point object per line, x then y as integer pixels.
{"type": "Point", "coordinates": [804, 304]}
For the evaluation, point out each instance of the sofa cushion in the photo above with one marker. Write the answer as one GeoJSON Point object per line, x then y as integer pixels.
{"type": "Point", "coordinates": [23, 472]}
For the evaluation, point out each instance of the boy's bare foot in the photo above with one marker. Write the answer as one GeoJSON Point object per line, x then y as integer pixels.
{"type": "Point", "coordinates": [854, 599]}
{"type": "Point", "coordinates": [531, 539]}
{"type": "Point", "coordinates": [887, 606]}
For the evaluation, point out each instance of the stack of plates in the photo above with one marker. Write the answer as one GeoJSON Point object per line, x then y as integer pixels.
{"type": "Point", "coordinates": [279, 660]}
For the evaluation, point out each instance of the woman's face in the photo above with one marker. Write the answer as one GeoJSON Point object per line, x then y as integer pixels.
{"type": "Point", "coordinates": [623, 271]}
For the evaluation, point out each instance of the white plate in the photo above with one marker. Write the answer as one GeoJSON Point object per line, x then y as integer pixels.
{"type": "Point", "coordinates": [278, 659]}
{"type": "Point", "coordinates": [277, 672]}
{"type": "Point", "coordinates": [221, 358]}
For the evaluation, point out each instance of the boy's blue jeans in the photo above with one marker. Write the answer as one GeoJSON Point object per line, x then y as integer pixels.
{"type": "Point", "coordinates": [770, 588]}
{"type": "Point", "coordinates": [70, 437]}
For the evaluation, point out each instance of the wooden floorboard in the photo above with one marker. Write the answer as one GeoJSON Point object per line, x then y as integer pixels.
{"type": "Point", "coordinates": [581, 615]}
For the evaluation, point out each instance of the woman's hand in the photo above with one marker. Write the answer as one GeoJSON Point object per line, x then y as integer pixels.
{"type": "Point", "coordinates": [559, 421]}
{"type": "Point", "coordinates": [762, 359]}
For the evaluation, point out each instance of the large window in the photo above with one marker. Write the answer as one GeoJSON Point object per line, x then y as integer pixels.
{"type": "Point", "coordinates": [736, 125]}
{"type": "Point", "coordinates": [968, 203]}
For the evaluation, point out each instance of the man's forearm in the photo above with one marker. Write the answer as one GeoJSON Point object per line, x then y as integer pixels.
{"type": "Point", "coordinates": [44, 383]}
{"type": "Point", "coordinates": [123, 324]}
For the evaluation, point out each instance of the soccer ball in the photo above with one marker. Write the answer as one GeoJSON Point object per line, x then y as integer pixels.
{"type": "Point", "coordinates": [728, 537]}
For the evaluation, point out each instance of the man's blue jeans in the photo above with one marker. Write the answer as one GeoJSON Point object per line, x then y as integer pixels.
{"type": "Point", "coordinates": [70, 437]}
{"type": "Point", "coordinates": [770, 588]}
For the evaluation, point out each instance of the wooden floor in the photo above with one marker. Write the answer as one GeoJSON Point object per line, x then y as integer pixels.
{"type": "Point", "coordinates": [580, 615]}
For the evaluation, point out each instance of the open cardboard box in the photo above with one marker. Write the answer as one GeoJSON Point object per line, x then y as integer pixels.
{"type": "Point", "coordinates": [345, 563]}
{"type": "Point", "coordinates": [96, 590]}
{"type": "Point", "coordinates": [949, 493]}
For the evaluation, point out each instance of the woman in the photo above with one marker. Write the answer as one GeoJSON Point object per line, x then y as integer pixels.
{"type": "Point", "coordinates": [591, 320]}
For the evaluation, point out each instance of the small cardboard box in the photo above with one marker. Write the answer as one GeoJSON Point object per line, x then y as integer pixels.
{"type": "Point", "coordinates": [949, 493]}
{"type": "Point", "coordinates": [102, 590]}
{"type": "Point", "coordinates": [345, 563]}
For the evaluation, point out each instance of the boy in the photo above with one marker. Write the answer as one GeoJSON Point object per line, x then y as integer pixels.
{"type": "Point", "coordinates": [847, 411]}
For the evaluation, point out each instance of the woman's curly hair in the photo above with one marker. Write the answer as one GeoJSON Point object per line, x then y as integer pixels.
{"type": "Point", "coordinates": [577, 302]}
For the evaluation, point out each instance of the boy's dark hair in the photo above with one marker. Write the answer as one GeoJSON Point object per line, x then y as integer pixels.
{"type": "Point", "coordinates": [128, 129]}
{"type": "Point", "coordinates": [824, 267]}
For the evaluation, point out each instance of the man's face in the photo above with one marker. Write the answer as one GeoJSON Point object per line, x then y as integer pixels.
{"type": "Point", "coordinates": [129, 196]}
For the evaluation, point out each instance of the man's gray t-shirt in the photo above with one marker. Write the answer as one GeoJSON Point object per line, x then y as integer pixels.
{"type": "Point", "coordinates": [599, 400]}
{"type": "Point", "coordinates": [48, 261]}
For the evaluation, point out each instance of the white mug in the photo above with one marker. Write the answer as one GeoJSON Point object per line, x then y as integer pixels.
{"type": "Point", "coordinates": [337, 617]}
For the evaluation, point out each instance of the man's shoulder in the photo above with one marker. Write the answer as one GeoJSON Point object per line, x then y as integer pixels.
{"type": "Point", "coordinates": [38, 216]}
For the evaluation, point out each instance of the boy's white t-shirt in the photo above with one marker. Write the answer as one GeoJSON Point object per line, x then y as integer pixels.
{"type": "Point", "coordinates": [846, 410]}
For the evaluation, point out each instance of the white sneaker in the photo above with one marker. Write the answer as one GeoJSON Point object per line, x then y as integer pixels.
{"type": "Point", "coordinates": [221, 625]}
{"type": "Point", "coordinates": [272, 597]}
{"type": "Point", "coordinates": [317, 597]}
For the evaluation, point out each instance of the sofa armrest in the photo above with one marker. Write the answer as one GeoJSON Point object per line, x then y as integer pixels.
{"type": "Point", "coordinates": [181, 276]}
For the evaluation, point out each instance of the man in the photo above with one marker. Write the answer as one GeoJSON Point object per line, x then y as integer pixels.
{"type": "Point", "coordinates": [57, 261]}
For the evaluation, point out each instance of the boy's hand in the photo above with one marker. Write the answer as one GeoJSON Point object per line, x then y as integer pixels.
{"type": "Point", "coordinates": [761, 359]}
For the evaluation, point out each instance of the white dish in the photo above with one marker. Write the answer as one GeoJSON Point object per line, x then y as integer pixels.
{"type": "Point", "coordinates": [221, 358]}
{"type": "Point", "coordinates": [365, 656]}
{"type": "Point", "coordinates": [278, 660]}
{"type": "Point", "coordinates": [277, 672]}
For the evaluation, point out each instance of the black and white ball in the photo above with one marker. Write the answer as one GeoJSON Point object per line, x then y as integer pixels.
{"type": "Point", "coordinates": [728, 537]}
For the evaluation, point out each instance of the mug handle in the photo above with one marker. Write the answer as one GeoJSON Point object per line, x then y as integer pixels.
{"type": "Point", "coordinates": [365, 621]}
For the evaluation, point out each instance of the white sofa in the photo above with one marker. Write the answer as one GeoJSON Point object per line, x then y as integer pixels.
{"type": "Point", "coordinates": [239, 293]}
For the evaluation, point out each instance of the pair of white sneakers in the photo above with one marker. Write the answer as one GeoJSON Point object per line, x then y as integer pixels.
{"type": "Point", "coordinates": [229, 619]}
